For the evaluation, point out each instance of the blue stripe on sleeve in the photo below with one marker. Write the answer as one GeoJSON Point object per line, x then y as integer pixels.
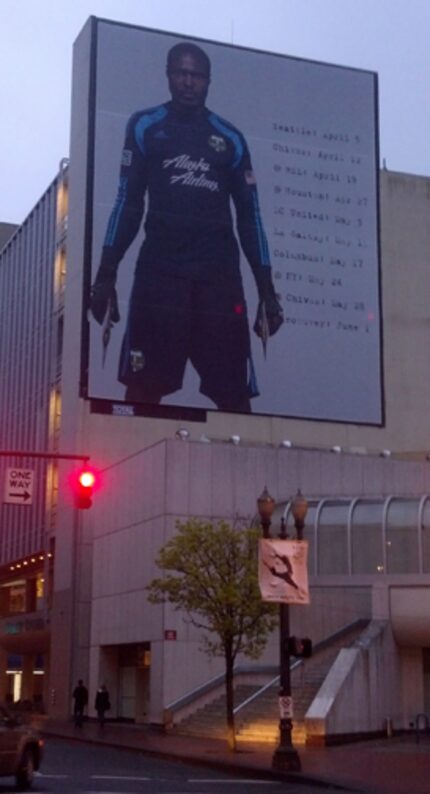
{"type": "Point", "coordinates": [262, 239]}
{"type": "Point", "coordinates": [146, 121]}
{"type": "Point", "coordinates": [231, 134]}
{"type": "Point", "coordinates": [116, 212]}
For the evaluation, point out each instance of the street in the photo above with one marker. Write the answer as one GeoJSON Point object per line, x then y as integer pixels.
{"type": "Point", "coordinates": [89, 769]}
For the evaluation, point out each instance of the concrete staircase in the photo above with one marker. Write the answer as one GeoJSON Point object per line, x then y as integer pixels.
{"type": "Point", "coordinates": [259, 720]}
{"type": "Point", "coordinates": [210, 720]}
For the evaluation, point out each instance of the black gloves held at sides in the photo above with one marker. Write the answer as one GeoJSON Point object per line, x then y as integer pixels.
{"type": "Point", "coordinates": [270, 315]}
{"type": "Point", "coordinates": [103, 297]}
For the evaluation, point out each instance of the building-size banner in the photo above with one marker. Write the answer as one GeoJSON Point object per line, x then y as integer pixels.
{"type": "Point", "coordinates": [213, 212]}
{"type": "Point", "coordinates": [283, 571]}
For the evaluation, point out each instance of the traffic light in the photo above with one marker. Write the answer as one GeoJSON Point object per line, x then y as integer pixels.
{"type": "Point", "coordinates": [300, 647]}
{"type": "Point", "coordinates": [83, 488]}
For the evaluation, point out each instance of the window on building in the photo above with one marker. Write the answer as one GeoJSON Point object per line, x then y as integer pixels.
{"type": "Point", "coordinates": [425, 536]}
{"type": "Point", "coordinates": [308, 534]}
{"type": "Point", "coordinates": [402, 536]}
{"type": "Point", "coordinates": [16, 601]}
{"type": "Point", "coordinates": [366, 538]}
{"type": "Point", "coordinates": [332, 539]}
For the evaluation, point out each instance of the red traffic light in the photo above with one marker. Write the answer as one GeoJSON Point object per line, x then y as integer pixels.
{"type": "Point", "coordinates": [83, 487]}
{"type": "Point", "coordinates": [87, 479]}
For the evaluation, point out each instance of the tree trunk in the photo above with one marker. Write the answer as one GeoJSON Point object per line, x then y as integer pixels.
{"type": "Point", "coordinates": [229, 691]}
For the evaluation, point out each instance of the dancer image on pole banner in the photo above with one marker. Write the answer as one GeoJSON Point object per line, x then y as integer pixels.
{"type": "Point", "coordinates": [283, 575]}
{"type": "Point", "coordinates": [286, 574]}
{"type": "Point", "coordinates": [187, 301]}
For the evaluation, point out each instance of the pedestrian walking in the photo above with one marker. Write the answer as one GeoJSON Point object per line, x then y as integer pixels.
{"type": "Point", "coordinates": [80, 696]}
{"type": "Point", "coordinates": [102, 704]}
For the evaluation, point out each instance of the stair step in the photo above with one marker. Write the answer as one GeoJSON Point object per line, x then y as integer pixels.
{"type": "Point", "coordinates": [270, 734]}
{"type": "Point", "coordinates": [259, 721]}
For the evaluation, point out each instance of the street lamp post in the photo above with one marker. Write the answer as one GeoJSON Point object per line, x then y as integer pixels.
{"type": "Point", "coordinates": [286, 757]}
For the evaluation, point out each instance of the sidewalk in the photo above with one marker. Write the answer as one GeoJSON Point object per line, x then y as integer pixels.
{"type": "Point", "coordinates": [383, 766]}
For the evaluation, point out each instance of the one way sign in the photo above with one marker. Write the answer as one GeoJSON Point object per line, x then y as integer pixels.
{"type": "Point", "coordinates": [18, 489]}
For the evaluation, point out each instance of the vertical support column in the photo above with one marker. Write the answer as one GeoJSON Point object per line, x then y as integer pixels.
{"type": "Point", "coordinates": [46, 681]}
{"type": "Point", "coordinates": [28, 661]}
{"type": "Point", "coordinates": [3, 677]}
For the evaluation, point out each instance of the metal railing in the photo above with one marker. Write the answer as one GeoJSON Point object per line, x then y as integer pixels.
{"type": "Point", "coordinates": [319, 646]}
{"type": "Point", "coordinates": [243, 669]}
{"type": "Point", "coordinates": [264, 688]}
{"type": "Point", "coordinates": [422, 725]}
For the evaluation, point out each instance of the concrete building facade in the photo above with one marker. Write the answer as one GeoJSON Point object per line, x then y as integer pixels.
{"type": "Point", "coordinates": [368, 523]}
{"type": "Point", "coordinates": [72, 583]}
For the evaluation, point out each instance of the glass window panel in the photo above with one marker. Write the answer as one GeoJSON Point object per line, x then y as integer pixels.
{"type": "Point", "coordinates": [332, 539]}
{"type": "Point", "coordinates": [308, 534]}
{"type": "Point", "coordinates": [402, 536]}
{"type": "Point", "coordinates": [366, 538]}
{"type": "Point", "coordinates": [425, 536]}
{"type": "Point", "coordinates": [17, 600]}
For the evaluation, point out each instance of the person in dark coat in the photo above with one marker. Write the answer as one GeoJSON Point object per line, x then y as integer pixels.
{"type": "Point", "coordinates": [102, 704]}
{"type": "Point", "coordinates": [80, 696]}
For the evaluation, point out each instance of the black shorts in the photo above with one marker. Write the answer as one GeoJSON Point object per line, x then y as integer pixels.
{"type": "Point", "coordinates": [172, 319]}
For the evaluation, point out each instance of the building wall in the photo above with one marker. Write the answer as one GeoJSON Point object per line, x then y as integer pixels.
{"type": "Point", "coordinates": [70, 614]}
{"type": "Point", "coordinates": [404, 201]}
{"type": "Point", "coordinates": [175, 479]}
{"type": "Point", "coordinates": [410, 615]}
{"type": "Point", "coordinates": [405, 245]}
{"type": "Point", "coordinates": [104, 558]}
{"type": "Point", "coordinates": [6, 232]}
{"type": "Point", "coordinates": [361, 690]}
{"type": "Point", "coordinates": [405, 238]}
{"type": "Point", "coordinates": [411, 685]}
{"type": "Point", "coordinates": [28, 310]}
{"type": "Point", "coordinates": [222, 480]}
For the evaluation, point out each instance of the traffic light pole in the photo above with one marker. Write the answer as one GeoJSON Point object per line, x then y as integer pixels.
{"type": "Point", "coordinates": [19, 453]}
{"type": "Point", "coordinates": [53, 456]}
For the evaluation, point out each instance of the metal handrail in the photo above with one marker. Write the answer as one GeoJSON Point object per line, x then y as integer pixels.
{"type": "Point", "coordinates": [217, 680]}
{"type": "Point", "coordinates": [263, 689]}
{"type": "Point", "coordinates": [213, 683]}
{"type": "Point", "coordinates": [293, 666]}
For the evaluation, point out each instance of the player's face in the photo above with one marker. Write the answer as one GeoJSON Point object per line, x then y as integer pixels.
{"type": "Point", "coordinates": [188, 81]}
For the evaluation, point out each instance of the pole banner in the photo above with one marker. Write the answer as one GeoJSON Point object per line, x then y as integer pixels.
{"type": "Point", "coordinates": [283, 572]}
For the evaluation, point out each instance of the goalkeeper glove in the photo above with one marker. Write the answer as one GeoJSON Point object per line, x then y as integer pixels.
{"type": "Point", "coordinates": [103, 296]}
{"type": "Point", "coordinates": [269, 313]}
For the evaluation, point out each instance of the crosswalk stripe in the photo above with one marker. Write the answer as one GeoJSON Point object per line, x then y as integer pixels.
{"type": "Point", "coordinates": [234, 780]}
{"type": "Point", "coordinates": [119, 777]}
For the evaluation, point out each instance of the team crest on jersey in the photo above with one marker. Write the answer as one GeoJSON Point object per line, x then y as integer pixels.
{"type": "Point", "coordinates": [250, 178]}
{"type": "Point", "coordinates": [137, 360]}
{"type": "Point", "coordinates": [127, 156]}
{"type": "Point", "coordinates": [218, 143]}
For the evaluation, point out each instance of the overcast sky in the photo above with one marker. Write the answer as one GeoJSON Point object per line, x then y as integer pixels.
{"type": "Point", "coordinates": [390, 37]}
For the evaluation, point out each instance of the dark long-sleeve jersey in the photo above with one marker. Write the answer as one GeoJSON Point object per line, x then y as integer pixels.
{"type": "Point", "coordinates": [186, 167]}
